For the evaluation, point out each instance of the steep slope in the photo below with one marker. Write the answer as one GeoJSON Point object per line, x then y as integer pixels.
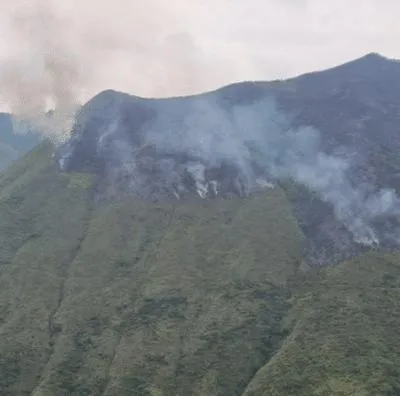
{"type": "Point", "coordinates": [136, 297]}
{"type": "Point", "coordinates": [344, 337]}
{"type": "Point", "coordinates": [43, 217]}
{"type": "Point", "coordinates": [356, 109]}
{"type": "Point", "coordinates": [195, 298]}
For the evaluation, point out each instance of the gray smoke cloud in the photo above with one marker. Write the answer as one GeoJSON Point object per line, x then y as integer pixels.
{"type": "Point", "coordinates": [58, 54]}
{"type": "Point", "coordinates": [261, 134]}
{"type": "Point", "coordinates": [42, 74]}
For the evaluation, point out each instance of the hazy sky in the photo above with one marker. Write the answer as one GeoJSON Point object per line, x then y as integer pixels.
{"type": "Point", "coordinates": [75, 48]}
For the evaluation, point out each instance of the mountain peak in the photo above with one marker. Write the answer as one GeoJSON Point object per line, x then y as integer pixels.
{"type": "Point", "coordinates": [372, 60]}
{"type": "Point", "coordinates": [373, 56]}
{"type": "Point", "coordinates": [370, 65]}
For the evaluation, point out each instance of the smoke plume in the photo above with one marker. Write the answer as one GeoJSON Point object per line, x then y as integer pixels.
{"type": "Point", "coordinates": [42, 72]}
{"type": "Point", "coordinates": [56, 54]}
{"type": "Point", "coordinates": [259, 136]}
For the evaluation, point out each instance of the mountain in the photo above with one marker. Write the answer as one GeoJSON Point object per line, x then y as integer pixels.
{"type": "Point", "coordinates": [13, 145]}
{"type": "Point", "coordinates": [240, 242]}
{"type": "Point", "coordinates": [333, 131]}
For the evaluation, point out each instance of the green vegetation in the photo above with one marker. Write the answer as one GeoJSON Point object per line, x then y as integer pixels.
{"type": "Point", "coordinates": [181, 298]}
{"type": "Point", "coordinates": [344, 337]}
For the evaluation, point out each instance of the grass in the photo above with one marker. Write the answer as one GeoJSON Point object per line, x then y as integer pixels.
{"type": "Point", "coordinates": [344, 333]}
{"type": "Point", "coordinates": [173, 299]}
{"type": "Point", "coordinates": [173, 292]}
{"type": "Point", "coordinates": [133, 296]}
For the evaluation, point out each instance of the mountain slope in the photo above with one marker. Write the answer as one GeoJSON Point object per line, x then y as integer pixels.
{"type": "Point", "coordinates": [170, 246]}
{"type": "Point", "coordinates": [344, 334]}
{"type": "Point", "coordinates": [200, 298]}
{"type": "Point", "coordinates": [178, 289]}
{"type": "Point", "coordinates": [37, 241]}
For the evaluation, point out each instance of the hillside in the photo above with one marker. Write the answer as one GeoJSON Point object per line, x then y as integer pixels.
{"type": "Point", "coordinates": [210, 245]}
{"type": "Point", "coordinates": [175, 290]}
{"type": "Point", "coordinates": [343, 336]}
{"type": "Point", "coordinates": [201, 298]}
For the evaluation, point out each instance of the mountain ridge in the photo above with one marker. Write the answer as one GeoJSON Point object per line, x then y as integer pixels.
{"type": "Point", "coordinates": [249, 136]}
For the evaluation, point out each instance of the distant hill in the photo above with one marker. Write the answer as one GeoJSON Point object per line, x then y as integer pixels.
{"type": "Point", "coordinates": [13, 145]}
{"type": "Point", "coordinates": [241, 242]}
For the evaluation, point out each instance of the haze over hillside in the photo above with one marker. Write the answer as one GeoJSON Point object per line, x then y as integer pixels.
{"type": "Point", "coordinates": [13, 143]}
{"type": "Point", "coordinates": [173, 246]}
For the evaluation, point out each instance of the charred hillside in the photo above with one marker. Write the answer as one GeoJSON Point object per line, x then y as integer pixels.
{"type": "Point", "coordinates": [333, 132]}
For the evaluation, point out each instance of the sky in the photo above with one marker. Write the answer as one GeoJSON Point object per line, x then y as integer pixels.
{"type": "Point", "coordinates": [63, 52]}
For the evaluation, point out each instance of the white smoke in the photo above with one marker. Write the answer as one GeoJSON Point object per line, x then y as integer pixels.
{"type": "Point", "coordinates": [54, 54]}
{"type": "Point", "coordinates": [42, 73]}
{"type": "Point", "coordinates": [260, 132]}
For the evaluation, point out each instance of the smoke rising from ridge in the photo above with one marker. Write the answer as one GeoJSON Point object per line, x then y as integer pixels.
{"type": "Point", "coordinates": [42, 73]}
{"type": "Point", "coordinates": [57, 51]}
{"type": "Point", "coordinates": [60, 53]}
{"type": "Point", "coordinates": [259, 136]}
